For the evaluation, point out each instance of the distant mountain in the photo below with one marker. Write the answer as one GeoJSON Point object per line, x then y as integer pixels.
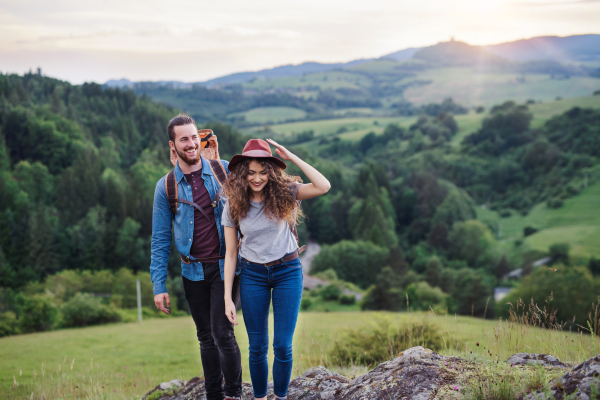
{"type": "Point", "coordinates": [282, 71]}
{"type": "Point", "coordinates": [119, 83]}
{"type": "Point", "coordinates": [454, 53]}
{"type": "Point", "coordinates": [403, 55]}
{"type": "Point", "coordinates": [570, 49]}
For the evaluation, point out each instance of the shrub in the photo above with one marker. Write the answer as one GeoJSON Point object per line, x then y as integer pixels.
{"type": "Point", "coordinates": [353, 261]}
{"type": "Point", "coordinates": [386, 294]}
{"type": "Point", "coordinates": [8, 324]}
{"type": "Point", "coordinates": [528, 230]}
{"type": "Point", "coordinates": [347, 299]}
{"type": "Point", "coordinates": [305, 304]}
{"type": "Point", "coordinates": [382, 342]}
{"type": "Point", "coordinates": [422, 296]}
{"type": "Point", "coordinates": [331, 292]}
{"type": "Point", "coordinates": [84, 309]}
{"type": "Point", "coordinates": [505, 214]}
{"type": "Point", "coordinates": [594, 266]}
{"type": "Point", "coordinates": [554, 203]}
{"type": "Point", "coordinates": [37, 314]}
{"type": "Point", "coordinates": [560, 253]}
{"type": "Point", "coordinates": [572, 292]}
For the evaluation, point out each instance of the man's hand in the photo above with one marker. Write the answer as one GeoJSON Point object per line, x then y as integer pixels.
{"type": "Point", "coordinates": [230, 312]}
{"type": "Point", "coordinates": [159, 301]}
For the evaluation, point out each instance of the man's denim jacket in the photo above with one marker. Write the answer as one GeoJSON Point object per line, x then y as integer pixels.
{"type": "Point", "coordinates": [184, 228]}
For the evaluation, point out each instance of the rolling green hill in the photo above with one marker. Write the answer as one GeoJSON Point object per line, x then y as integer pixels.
{"type": "Point", "coordinates": [270, 115]}
{"type": "Point", "coordinates": [386, 87]}
{"type": "Point", "coordinates": [471, 87]}
{"type": "Point", "coordinates": [577, 223]}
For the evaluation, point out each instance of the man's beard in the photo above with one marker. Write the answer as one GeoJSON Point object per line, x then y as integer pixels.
{"type": "Point", "coordinates": [186, 159]}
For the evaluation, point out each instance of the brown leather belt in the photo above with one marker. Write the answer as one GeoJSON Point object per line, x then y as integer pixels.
{"type": "Point", "coordinates": [288, 258]}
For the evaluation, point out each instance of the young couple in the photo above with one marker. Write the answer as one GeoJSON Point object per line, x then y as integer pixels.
{"type": "Point", "coordinates": [259, 206]}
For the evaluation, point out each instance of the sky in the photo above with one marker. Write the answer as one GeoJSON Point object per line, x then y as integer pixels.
{"type": "Point", "coordinates": [195, 40]}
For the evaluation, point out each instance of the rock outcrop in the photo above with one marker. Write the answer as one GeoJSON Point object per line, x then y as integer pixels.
{"type": "Point", "coordinates": [583, 380]}
{"type": "Point", "coordinates": [417, 373]}
{"type": "Point", "coordinates": [529, 358]}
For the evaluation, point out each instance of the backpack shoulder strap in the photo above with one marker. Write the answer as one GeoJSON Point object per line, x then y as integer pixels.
{"type": "Point", "coordinates": [220, 175]}
{"type": "Point", "coordinates": [171, 189]}
{"type": "Point", "coordinates": [218, 171]}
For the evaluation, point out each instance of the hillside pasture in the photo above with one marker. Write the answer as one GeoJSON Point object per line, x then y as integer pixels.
{"type": "Point", "coordinates": [270, 115]}
{"type": "Point", "coordinates": [577, 222]}
{"type": "Point", "coordinates": [546, 110]}
{"type": "Point", "coordinates": [471, 87]}
{"type": "Point", "coordinates": [334, 126]}
{"type": "Point", "coordinates": [357, 126]}
{"type": "Point", "coordinates": [123, 361]}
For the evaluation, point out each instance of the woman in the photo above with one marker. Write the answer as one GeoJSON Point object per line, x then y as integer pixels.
{"type": "Point", "coordinates": [262, 205]}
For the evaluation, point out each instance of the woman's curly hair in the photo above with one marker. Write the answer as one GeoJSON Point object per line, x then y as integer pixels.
{"type": "Point", "coordinates": [278, 199]}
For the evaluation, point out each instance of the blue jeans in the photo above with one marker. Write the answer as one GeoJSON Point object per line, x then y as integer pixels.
{"type": "Point", "coordinates": [258, 284]}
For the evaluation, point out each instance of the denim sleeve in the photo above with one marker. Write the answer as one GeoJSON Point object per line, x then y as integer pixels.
{"type": "Point", "coordinates": [161, 238]}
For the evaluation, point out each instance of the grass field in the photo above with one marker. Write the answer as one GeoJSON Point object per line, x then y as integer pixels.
{"type": "Point", "coordinates": [470, 87]}
{"type": "Point", "coordinates": [577, 222]}
{"type": "Point", "coordinates": [270, 115]}
{"type": "Point", "coordinates": [357, 127]}
{"type": "Point", "coordinates": [123, 361]}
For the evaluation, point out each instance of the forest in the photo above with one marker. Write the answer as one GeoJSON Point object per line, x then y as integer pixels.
{"type": "Point", "coordinates": [79, 163]}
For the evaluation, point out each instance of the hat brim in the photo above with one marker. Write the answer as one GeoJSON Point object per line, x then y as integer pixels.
{"type": "Point", "coordinates": [235, 160]}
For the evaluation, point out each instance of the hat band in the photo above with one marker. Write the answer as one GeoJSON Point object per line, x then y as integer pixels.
{"type": "Point", "coordinates": [256, 153]}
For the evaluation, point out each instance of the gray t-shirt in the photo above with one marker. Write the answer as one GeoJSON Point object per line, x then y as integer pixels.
{"type": "Point", "coordinates": [264, 239]}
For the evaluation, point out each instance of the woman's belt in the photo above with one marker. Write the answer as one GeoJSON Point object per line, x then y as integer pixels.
{"type": "Point", "coordinates": [288, 258]}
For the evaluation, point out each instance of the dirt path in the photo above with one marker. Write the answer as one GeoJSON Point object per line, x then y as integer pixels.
{"type": "Point", "coordinates": [312, 249]}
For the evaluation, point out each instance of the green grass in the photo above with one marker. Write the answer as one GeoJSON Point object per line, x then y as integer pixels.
{"type": "Point", "coordinates": [356, 127]}
{"type": "Point", "coordinates": [577, 222]}
{"type": "Point", "coordinates": [110, 359]}
{"type": "Point", "coordinates": [544, 111]}
{"type": "Point", "coordinates": [470, 87]}
{"type": "Point", "coordinates": [264, 115]}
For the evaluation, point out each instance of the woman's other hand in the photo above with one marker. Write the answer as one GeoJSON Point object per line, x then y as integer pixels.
{"type": "Point", "coordinates": [230, 312]}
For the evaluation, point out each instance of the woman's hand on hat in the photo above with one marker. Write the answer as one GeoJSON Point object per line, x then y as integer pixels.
{"type": "Point", "coordinates": [281, 151]}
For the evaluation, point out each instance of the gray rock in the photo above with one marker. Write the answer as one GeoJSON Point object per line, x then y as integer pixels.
{"type": "Point", "coordinates": [317, 383]}
{"type": "Point", "coordinates": [529, 358]}
{"type": "Point", "coordinates": [417, 373]}
{"type": "Point", "coordinates": [579, 380]}
{"type": "Point", "coordinates": [194, 390]}
{"type": "Point", "coordinates": [175, 383]}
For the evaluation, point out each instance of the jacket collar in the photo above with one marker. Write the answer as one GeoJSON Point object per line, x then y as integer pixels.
{"type": "Point", "coordinates": [206, 170]}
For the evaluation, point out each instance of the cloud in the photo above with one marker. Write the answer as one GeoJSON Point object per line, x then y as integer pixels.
{"type": "Point", "coordinates": [114, 38]}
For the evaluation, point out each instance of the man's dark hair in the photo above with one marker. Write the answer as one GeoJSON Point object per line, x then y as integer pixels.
{"type": "Point", "coordinates": [181, 119]}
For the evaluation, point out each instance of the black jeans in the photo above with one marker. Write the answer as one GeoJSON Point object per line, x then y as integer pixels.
{"type": "Point", "coordinates": [219, 351]}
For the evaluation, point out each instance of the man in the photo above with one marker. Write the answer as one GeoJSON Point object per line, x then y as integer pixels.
{"type": "Point", "coordinates": [200, 240]}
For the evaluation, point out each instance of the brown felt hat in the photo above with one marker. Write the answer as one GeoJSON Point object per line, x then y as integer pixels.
{"type": "Point", "coordinates": [255, 148]}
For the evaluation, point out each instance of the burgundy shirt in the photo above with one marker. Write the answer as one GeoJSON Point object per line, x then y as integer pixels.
{"type": "Point", "coordinates": [205, 244]}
